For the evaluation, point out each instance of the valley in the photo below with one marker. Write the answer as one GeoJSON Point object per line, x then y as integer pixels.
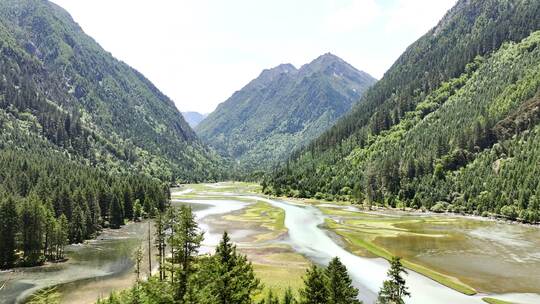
{"type": "Point", "coordinates": [282, 237]}
{"type": "Point", "coordinates": [313, 183]}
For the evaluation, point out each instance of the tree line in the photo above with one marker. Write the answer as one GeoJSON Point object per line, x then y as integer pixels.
{"type": "Point", "coordinates": [227, 276]}
{"type": "Point", "coordinates": [47, 202]}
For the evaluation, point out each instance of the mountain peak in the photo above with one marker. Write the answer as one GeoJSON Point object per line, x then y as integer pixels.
{"type": "Point", "coordinates": [327, 63]}
{"type": "Point", "coordinates": [332, 65]}
{"type": "Point", "coordinates": [282, 110]}
{"type": "Point", "coordinates": [328, 58]}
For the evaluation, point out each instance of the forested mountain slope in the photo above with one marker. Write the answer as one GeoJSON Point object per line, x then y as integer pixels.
{"type": "Point", "coordinates": [452, 125]}
{"type": "Point", "coordinates": [283, 109]}
{"type": "Point", "coordinates": [60, 90]}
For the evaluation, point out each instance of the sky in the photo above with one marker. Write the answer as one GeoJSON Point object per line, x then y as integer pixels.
{"type": "Point", "coordinates": [199, 52]}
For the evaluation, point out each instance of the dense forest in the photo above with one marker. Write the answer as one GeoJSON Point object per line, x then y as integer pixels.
{"type": "Point", "coordinates": [458, 131]}
{"type": "Point", "coordinates": [227, 276]}
{"type": "Point", "coordinates": [283, 109]}
{"type": "Point", "coordinates": [59, 88]}
{"type": "Point", "coordinates": [87, 142]}
{"type": "Point", "coordinates": [47, 202]}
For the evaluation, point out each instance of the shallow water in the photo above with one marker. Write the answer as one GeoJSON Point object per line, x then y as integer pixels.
{"type": "Point", "coordinates": [485, 251]}
{"type": "Point", "coordinates": [490, 256]}
{"type": "Point", "coordinates": [105, 264]}
{"type": "Point", "coordinates": [306, 237]}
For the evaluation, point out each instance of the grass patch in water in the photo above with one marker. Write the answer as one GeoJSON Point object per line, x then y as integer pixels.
{"type": "Point", "coordinates": [495, 301]}
{"type": "Point", "coordinates": [234, 187]}
{"type": "Point", "coordinates": [356, 242]}
{"type": "Point", "coordinates": [338, 211]}
{"type": "Point", "coordinates": [264, 214]}
{"type": "Point", "coordinates": [49, 295]}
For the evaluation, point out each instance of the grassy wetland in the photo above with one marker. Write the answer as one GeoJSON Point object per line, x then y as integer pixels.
{"type": "Point", "coordinates": [462, 259]}
{"type": "Point", "coordinates": [431, 245]}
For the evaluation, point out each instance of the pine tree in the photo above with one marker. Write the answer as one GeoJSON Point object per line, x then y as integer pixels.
{"type": "Point", "coordinates": [234, 280]}
{"type": "Point", "coordinates": [288, 297]}
{"type": "Point", "coordinates": [315, 290]}
{"type": "Point", "coordinates": [270, 298]}
{"type": "Point", "coordinates": [32, 223]}
{"type": "Point", "coordinates": [77, 226]}
{"type": "Point", "coordinates": [8, 230]}
{"type": "Point", "coordinates": [186, 241]}
{"type": "Point", "coordinates": [117, 210]}
{"type": "Point", "coordinates": [160, 242]}
{"type": "Point", "coordinates": [137, 210]}
{"type": "Point", "coordinates": [340, 287]}
{"type": "Point", "coordinates": [62, 236]}
{"type": "Point", "coordinates": [128, 201]}
{"type": "Point", "coordinates": [394, 288]}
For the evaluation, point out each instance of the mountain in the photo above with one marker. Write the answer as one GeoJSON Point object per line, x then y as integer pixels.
{"type": "Point", "coordinates": [452, 126]}
{"type": "Point", "coordinates": [193, 118]}
{"type": "Point", "coordinates": [61, 91]}
{"type": "Point", "coordinates": [283, 109]}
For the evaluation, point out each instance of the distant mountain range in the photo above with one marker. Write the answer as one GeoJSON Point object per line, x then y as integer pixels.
{"type": "Point", "coordinates": [282, 110]}
{"type": "Point", "coordinates": [193, 118]}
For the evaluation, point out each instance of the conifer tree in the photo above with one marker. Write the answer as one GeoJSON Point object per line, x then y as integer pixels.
{"type": "Point", "coordinates": [186, 241]}
{"type": "Point", "coordinates": [117, 210]}
{"type": "Point", "coordinates": [315, 287]}
{"type": "Point", "coordinates": [270, 298]}
{"type": "Point", "coordinates": [32, 223]}
{"type": "Point", "coordinates": [8, 230]}
{"type": "Point", "coordinates": [137, 210]}
{"type": "Point", "coordinates": [340, 287]}
{"type": "Point", "coordinates": [62, 236]}
{"type": "Point", "coordinates": [160, 242]}
{"type": "Point", "coordinates": [288, 297]}
{"type": "Point", "coordinates": [394, 288]}
{"type": "Point", "coordinates": [233, 278]}
{"type": "Point", "coordinates": [77, 226]}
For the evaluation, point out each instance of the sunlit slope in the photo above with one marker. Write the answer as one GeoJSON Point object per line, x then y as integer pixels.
{"type": "Point", "coordinates": [466, 144]}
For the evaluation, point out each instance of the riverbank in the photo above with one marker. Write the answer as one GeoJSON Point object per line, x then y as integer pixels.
{"type": "Point", "coordinates": [282, 237]}
{"type": "Point", "coordinates": [377, 237]}
{"type": "Point", "coordinates": [477, 255]}
{"type": "Point", "coordinates": [256, 227]}
{"type": "Point", "coordinates": [94, 269]}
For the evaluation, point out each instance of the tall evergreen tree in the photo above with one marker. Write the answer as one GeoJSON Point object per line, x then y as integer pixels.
{"type": "Point", "coordinates": [159, 242]}
{"type": "Point", "coordinates": [62, 236]}
{"type": "Point", "coordinates": [8, 231]}
{"type": "Point", "coordinates": [394, 289]}
{"type": "Point", "coordinates": [315, 289]}
{"type": "Point", "coordinates": [288, 297]}
{"type": "Point", "coordinates": [340, 287]}
{"type": "Point", "coordinates": [77, 226]}
{"type": "Point", "coordinates": [187, 240]}
{"type": "Point", "coordinates": [233, 281]}
{"type": "Point", "coordinates": [117, 210]}
{"type": "Point", "coordinates": [270, 298]}
{"type": "Point", "coordinates": [32, 223]}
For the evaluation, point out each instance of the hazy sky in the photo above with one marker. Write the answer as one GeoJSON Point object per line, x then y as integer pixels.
{"type": "Point", "coordinates": [199, 52]}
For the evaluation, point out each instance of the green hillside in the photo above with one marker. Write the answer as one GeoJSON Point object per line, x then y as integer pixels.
{"type": "Point", "coordinates": [282, 110]}
{"type": "Point", "coordinates": [60, 90]}
{"type": "Point", "coordinates": [456, 133]}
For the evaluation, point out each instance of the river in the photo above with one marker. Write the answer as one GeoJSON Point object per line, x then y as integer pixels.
{"type": "Point", "coordinates": [306, 237]}
{"type": "Point", "coordinates": [100, 266]}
